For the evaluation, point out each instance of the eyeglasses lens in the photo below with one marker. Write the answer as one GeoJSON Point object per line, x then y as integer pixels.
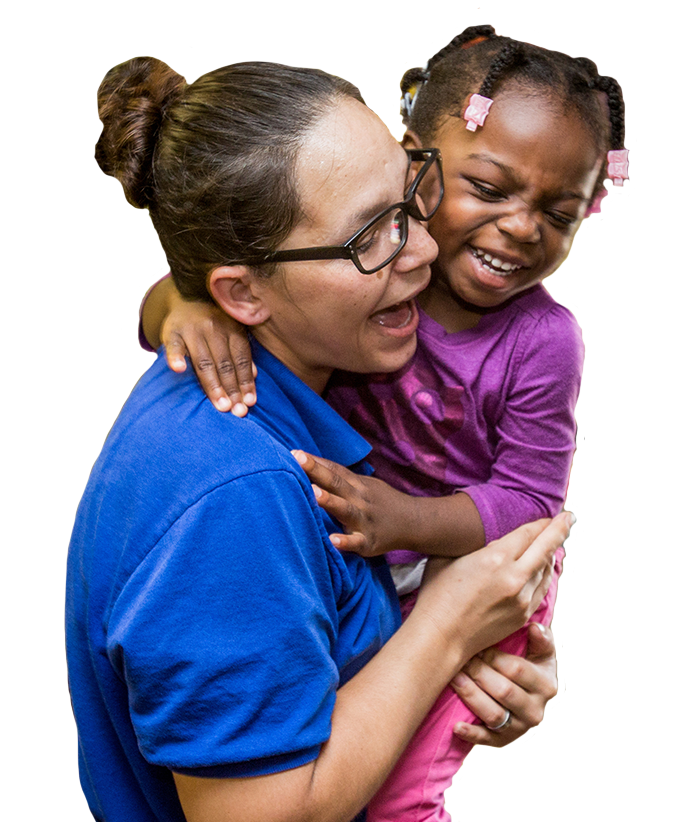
{"type": "Point", "coordinates": [383, 240]}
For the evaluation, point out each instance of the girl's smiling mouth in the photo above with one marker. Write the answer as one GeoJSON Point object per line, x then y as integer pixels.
{"type": "Point", "coordinates": [495, 264]}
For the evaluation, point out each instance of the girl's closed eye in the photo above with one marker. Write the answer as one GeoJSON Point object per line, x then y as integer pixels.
{"type": "Point", "coordinates": [485, 191]}
{"type": "Point", "coordinates": [561, 220]}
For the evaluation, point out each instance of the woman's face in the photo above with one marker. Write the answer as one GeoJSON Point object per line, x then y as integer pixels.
{"type": "Point", "coordinates": [325, 315]}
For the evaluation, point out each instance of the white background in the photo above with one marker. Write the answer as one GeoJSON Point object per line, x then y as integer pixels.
{"type": "Point", "coordinates": [78, 258]}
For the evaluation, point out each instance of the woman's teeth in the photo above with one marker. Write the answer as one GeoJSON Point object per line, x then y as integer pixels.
{"type": "Point", "coordinates": [396, 316]}
{"type": "Point", "coordinates": [494, 264]}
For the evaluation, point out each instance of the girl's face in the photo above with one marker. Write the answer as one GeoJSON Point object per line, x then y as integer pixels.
{"type": "Point", "coordinates": [325, 315]}
{"type": "Point", "coordinates": [515, 193]}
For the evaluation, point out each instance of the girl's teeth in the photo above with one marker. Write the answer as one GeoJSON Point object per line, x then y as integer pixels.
{"type": "Point", "coordinates": [495, 262]}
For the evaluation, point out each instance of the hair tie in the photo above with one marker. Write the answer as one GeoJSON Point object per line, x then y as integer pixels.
{"type": "Point", "coordinates": [409, 97]}
{"type": "Point", "coordinates": [595, 207]}
{"type": "Point", "coordinates": [476, 111]}
{"type": "Point", "coordinates": [474, 42]}
{"type": "Point", "coordinates": [618, 166]}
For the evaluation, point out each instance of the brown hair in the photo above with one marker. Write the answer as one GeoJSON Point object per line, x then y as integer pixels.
{"type": "Point", "coordinates": [212, 161]}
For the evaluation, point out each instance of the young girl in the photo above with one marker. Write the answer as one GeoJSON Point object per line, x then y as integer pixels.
{"type": "Point", "coordinates": [475, 436]}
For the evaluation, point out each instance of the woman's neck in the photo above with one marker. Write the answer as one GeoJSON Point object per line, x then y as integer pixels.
{"type": "Point", "coordinates": [315, 377]}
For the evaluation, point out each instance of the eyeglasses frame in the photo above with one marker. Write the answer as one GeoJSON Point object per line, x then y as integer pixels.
{"type": "Point", "coordinates": [347, 250]}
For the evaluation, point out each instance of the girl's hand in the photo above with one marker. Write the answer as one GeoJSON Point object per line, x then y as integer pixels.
{"type": "Point", "coordinates": [495, 682]}
{"type": "Point", "coordinates": [218, 348]}
{"type": "Point", "coordinates": [373, 514]}
{"type": "Point", "coordinates": [481, 598]}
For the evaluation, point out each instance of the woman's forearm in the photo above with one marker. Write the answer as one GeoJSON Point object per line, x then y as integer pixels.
{"type": "Point", "coordinates": [464, 606]}
{"type": "Point", "coordinates": [375, 715]}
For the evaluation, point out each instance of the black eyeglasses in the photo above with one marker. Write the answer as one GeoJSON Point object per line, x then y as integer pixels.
{"type": "Point", "coordinates": [383, 237]}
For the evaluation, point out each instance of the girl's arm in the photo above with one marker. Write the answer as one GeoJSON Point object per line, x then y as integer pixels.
{"type": "Point", "coordinates": [379, 519]}
{"type": "Point", "coordinates": [464, 606]}
{"type": "Point", "coordinates": [216, 344]}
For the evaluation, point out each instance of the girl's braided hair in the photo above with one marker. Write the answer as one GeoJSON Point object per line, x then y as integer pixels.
{"type": "Point", "coordinates": [480, 61]}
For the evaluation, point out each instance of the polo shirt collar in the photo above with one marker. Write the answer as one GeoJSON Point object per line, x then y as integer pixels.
{"type": "Point", "coordinates": [334, 437]}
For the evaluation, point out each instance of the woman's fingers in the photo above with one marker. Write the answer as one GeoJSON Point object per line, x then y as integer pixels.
{"type": "Point", "coordinates": [548, 541]}
{"type": "Point", "coordinates": [495, 682]}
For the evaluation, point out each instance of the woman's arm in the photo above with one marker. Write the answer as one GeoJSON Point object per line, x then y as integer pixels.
{"type": "Point", "coordinates": [464, 606]}
{"type": "Point", "coordinates": [216, 344]}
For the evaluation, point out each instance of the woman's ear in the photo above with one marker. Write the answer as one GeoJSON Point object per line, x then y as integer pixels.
{"type": "Point", "coordinates": [234, 288]}
{"type": "Point", "coordinates": [412, 140]}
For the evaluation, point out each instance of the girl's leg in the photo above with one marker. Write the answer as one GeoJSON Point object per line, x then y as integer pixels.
{"type": "Point", "coordinates": [414, 790]}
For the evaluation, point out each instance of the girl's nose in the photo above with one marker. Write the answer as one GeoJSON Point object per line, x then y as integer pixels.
{"type": "Point", "coordinates": [521, 224]}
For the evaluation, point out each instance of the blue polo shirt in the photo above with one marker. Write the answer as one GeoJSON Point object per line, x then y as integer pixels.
{"type": "Point", "coordinates": [209, 619]}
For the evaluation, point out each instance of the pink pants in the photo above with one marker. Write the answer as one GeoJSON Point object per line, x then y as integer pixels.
{"type": "Point", "coordinates": [414, 790]}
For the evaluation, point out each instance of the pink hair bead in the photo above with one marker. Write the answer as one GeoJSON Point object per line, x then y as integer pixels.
{"type": "Point", "coordinates": [595, 207]}
{"type": "Point", "coordinates": [477, 111]}
{"type": "Point", "coordinates": [618, 166]}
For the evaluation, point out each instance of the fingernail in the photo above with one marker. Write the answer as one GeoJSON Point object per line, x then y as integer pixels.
{"type": "Point", "coordinates": [572, 518]}
{"type": "Point", "coordinates": [223, 403]}
{"type": "Point", "coordinates": [249, 399]}
{"type": "Point", "coordinates": [317, 490]}
{"type": "Point", "coordinates": [460, 680]}
{"type": "Point", "coordinates": [335, 539]}
{"type": "Point", "coordinates": [540, 627]}
{"type": "Point", "coordinates": [239, 409]}
{"type": "Point", "coordinates": [300, 457]}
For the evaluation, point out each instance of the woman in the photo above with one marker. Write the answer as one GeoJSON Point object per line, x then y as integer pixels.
{"type": "Point", "coordinates": [226, 662]}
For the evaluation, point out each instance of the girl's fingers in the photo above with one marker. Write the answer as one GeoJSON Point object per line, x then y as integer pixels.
{"type": "Point", "coordinates": [355, 543]}
{"type": "Point", "coordinates": [175, 353]}
{"type": "Point", "coordinates": [205, 367]}
{"type": "Point", "coordinates": [329, 476]}
{"type": "Point", "coordinates": [243, 367]}
{"type": "Point", "coordinates": [337, 507]}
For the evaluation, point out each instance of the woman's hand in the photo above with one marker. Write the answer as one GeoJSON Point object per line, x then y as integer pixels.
{"type": "Point", "coordinates": [481, 598]}
{"type": "Point", "coordinates": [373, 514]}
{"type": "Point", "coordinates": [495, 682]}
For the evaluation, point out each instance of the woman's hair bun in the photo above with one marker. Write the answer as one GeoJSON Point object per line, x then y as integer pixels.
{"type": "Point", "coordinates": [132, 101]}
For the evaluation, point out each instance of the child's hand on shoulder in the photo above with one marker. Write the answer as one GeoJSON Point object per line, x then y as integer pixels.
{"type": "Point", "coordinates": [370, 511]}
{"type": "Point", "coordinates": [218, 348]}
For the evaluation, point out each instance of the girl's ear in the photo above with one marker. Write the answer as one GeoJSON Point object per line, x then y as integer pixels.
{"type": "Point", "coordinates": [412, 140]}
{"type": "Point", "coordinates": [234, 288]}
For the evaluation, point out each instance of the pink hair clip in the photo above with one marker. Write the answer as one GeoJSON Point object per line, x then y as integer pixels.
{"type": "Point", "coordinates": [618, 166]}
{"type": "Point", "coordinates": [476, 111]}
{"type": "Point", "coordinates": [595, 207]}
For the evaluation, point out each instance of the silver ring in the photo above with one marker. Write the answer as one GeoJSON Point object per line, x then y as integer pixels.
{"type": "Point", "coordinates": [505, 722]}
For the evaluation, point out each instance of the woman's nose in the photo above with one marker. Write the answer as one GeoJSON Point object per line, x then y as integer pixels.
{"type": "Point", "coordinates": [420, 249]}
{"type": "Point", "coordinates": [521, 224]}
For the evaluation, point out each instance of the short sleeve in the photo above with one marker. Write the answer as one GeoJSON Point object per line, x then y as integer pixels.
{"type": "Point", "coordinates": [536, 429]}
{"type": "Point", "coordinates": [224, 633]}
